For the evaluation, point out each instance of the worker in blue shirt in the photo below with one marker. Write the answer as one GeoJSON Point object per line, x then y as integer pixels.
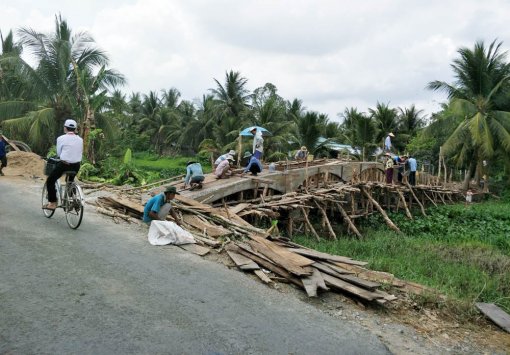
{"type": "Point", "coordinates": [159, 206]}
{"type": "Point", "coordinates": [412, 170]}
{"type": "Point", "coordinates": [194, 175]}
{"type": "Point", "coordinates": [254, 166]}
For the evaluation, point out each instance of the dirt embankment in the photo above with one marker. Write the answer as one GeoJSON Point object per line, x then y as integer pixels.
{"type": "Point", "coordinates": [24, 164]}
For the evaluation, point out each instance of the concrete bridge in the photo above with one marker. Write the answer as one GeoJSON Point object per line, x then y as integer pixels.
{"type": "Point", "coordinates": [287, 179]}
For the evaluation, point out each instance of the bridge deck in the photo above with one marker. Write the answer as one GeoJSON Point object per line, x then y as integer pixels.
{"type": "Point", "coordinates": [284, 181]}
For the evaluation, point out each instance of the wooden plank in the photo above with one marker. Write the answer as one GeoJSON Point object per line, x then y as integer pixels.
{"type": "Point", "coordinates": [284, 252]}
{"type": "Point", "coordinates": [14, 146]}
{"type": "Point", "coordinates": [369, 285]}
{"type": "Point", "coordinates": [347, 287]}
{"type": "Point", "coordinates": [125, 203]}
{"type": "Point", "coordinates": [238, 208]}
{"type": "Point", "coordinates": [210, 242]}
{"type": "Point", "coordinates": [337, 268]}
{"type": "Point", "coordinates": [325, 256]}
{"type": "Point", "coordinates": [325, 268]}
{"type": "Point", "coordinates": [278, 258]}
{"type": "Point", "coordinates": [195, 249]}
{"type": "Point", "coordinates": [262, 275]}
{"type": "Point", "coordinates": [495, 314]}
{"type": "Point", "coordinates": [313, 282]}
{"type": "Point", "coordinates": [261, 260]}
{"type": "Point", "coordinates": [210, 229]}
{"type": "Point", "coordinates": [242, 261]}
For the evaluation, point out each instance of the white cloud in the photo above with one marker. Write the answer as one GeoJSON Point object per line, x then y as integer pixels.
{"type": "Point", "coordinates": [330, 54]}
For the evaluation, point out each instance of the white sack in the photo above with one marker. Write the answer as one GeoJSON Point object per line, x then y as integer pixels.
{"type": "Point", "coordinates": [166, 232]}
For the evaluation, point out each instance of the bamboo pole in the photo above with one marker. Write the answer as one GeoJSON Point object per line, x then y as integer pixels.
{"type": "Point", "coordinates": [305, 215]}
{"type": "Point", "coordinates": [326, 220]}
{"type": "Point", "coordinates": [388, 221]}
{"type": "Point", "coordinates": [349, 221]}
{"type": "Point", "coordinates": [408, 213]}
{"type": "Point", "coordinates": [416, 199]}
{"type": "Point", "coordinates": [431, 200]}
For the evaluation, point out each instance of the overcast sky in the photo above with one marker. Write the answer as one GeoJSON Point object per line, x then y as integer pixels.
{"type": "Point", "coordinates": [330, 54]}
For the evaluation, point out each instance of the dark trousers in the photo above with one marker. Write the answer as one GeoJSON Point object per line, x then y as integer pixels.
{"type": "Point", "coordinates": [412, 178]}
{"type": "Point", "coordinates": [254, 169]}
{"type": "Point", "coordinates": [389, 175]}
{"type": "Point", "coordinates": [56, 174]}
{"type": "Point", "coordinates": [400, 175]}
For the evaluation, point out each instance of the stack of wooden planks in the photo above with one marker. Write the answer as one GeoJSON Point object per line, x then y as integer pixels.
{"type": "Point", "coordinates": [306, 268]}
{"type": "Point", "coordinates": [251, 249]}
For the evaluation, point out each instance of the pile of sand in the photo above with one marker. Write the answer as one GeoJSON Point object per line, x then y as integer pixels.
{"type": "Point", "coordinates": [24, 164]}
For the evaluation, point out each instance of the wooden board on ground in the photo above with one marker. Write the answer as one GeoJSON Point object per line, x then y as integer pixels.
{"type": "Point", "coordinates": [125, 202]}
{"type": "Point", "coordinates": [369, 285]}
{"type": "Point", "coordinates": [313, 282]}
{"type": "Point", "coordinates": [262, 275]}
{"type": "Point", "coordinates": [325, 256]}
{"type": "Point", "coordinates": [210, 229]}
{"type": "Point", "coordinates": [242, 261]}
{"type": "Point", "coordinates": [345, 286]}
{"type": "Point", "coordinates": [495, 314]}
{"type": "Point", "coordinates": [277, 258]}
{"type": "Point", "coordinates": [295, 258]}
{"type": "Point", "coordinates": [195, 249]}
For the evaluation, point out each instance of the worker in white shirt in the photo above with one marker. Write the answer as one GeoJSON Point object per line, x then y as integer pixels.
{"type": "Point", "coordinates": [70, 151]}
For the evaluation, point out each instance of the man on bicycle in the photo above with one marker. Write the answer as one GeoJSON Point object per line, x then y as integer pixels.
{"type": "Point", "coordinates": [70, 151]}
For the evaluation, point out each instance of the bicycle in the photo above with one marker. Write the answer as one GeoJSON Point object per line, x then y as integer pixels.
{"type": "Point", "coordinates": [69, 198]}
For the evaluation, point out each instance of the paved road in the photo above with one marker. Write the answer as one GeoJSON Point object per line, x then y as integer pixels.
{"type": "Point", "coordinates": [103, 289]}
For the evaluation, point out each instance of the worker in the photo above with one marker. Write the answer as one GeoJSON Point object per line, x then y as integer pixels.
{"type": "Point", "coordinates": [301, 154]}
{"type": "Point", "coordinates": [224, 169]}
{"type": "Point", "coordinates": [387, 142]}
{"type": "Point", "coordinates": [258, 143]}
{"type": "Point", "coordinates": [412, 170]}
{"type": "Point", "coordinates": [158, 207]}
{"type": "Point", "coordinates": [231, 153]}
{"type": "Point", "coordinates": [254, 166]}
{"type": "Point", "coordinates": [194, 175]}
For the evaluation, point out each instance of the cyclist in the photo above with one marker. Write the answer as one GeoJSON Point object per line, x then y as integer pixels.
{"type": "Point", "coordinates": [70, 151]}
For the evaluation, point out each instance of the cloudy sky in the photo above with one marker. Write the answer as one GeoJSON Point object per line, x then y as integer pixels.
{"type": "Point", "coordinates": [330, 54]}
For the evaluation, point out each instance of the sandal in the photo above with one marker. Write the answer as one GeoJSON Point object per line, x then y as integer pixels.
{"type": "Point", "coordinates": [45, 207]}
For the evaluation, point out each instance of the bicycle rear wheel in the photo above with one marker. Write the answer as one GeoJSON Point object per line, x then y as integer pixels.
{"type": "Point", "coordinates": [47, 213]}
{"type": "Point", "coordinates": [74, 205]}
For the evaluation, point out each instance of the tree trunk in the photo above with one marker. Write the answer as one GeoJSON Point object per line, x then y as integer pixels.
{"type": "Point", "coordinates": [467, 178]}
{"type": "Point", "coordinates": [89, 124]}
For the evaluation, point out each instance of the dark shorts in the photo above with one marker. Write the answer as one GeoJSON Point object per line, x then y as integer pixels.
{"type": "Point", "coordinates": [197, 179]}
{"type": "Point", "coordinates": [4, 161]}
{"type": "Point", "coordinates": [258, 154]}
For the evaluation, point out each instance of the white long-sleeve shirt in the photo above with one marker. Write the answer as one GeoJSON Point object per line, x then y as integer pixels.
{"type": "Point", "coordinates": [258, 142]}
{"type": "Point", "coordinates": [70, 147]}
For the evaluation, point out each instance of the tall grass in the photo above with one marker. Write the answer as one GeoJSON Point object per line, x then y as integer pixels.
{"type": "Point", "coordinates": [463, 252]}
{"type": "Point", "coordinates": [165, 166]}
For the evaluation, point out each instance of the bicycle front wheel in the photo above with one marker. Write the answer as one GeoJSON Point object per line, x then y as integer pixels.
{"type": "Point", "coordinates": [74, 205]}
{"type": "Point", "coordinates": [47, 213]}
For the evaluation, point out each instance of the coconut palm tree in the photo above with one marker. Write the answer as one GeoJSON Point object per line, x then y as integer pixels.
{"type": "Point", "coordinates": [232, 97]}
{"type": "Point", "coordinates": [410, 120]}
{"type": "Point", "coordinates": [61, 59]}
{"type": "Point", "coordinates": [360, 131]}
{"type": "Point", "coordinates": [385, 119]}
{"type": "Point", "coordinates": [479, 102]}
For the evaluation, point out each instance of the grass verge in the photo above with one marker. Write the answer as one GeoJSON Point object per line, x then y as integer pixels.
{"type": "Point", "coordinates": [462, 252]}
